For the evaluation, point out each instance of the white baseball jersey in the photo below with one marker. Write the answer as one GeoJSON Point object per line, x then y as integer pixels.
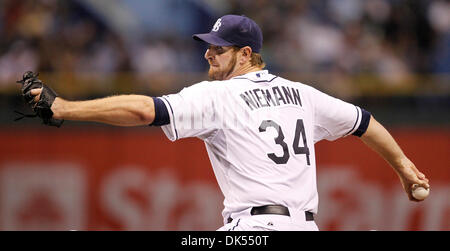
{"type": "Point", "coordinates": [259, 130]}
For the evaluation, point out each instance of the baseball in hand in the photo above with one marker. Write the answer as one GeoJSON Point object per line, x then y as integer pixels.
{"type": "Point", "coordinates": [420, 193]}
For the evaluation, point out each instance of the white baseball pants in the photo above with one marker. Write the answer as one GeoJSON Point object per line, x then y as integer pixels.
{"type": "Point", "coordinates": [244, 221]}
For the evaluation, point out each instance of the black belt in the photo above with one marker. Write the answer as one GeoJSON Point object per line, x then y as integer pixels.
{"type": "Point", "coordinates": [275, 209]}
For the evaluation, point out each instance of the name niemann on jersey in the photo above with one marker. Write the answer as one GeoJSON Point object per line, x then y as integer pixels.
{"type": "Point", "coordinates": [270, 97]}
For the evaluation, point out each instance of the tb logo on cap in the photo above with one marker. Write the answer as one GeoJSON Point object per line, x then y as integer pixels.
{"type": "Point", "coordinates": [217, 25]}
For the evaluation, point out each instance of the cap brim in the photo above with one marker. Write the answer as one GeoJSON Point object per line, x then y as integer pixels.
{"type": "Point", "coordinates": [211, 39]}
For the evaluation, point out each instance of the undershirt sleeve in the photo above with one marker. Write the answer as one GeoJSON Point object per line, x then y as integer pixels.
{"type": "Point", "coordinates": [161, 113]}
{"type": "Point", "coordinates": [364, 123]}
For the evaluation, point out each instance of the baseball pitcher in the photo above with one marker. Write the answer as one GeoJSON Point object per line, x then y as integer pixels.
{"type": "Point", "coordinates": [259, 129]}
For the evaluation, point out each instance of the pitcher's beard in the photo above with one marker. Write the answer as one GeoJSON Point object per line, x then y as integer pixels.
{"type": "Point", "coordinates": [222, 75]}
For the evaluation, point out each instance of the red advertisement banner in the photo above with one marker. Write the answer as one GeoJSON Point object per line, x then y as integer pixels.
{"type": "Point", "coordinates": [136, 179]}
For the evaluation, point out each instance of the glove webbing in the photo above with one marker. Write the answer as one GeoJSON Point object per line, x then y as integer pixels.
{"type": "Point", "coordinates": [54, 122]}
{"type": "Point", "coordinates": [23, 115]}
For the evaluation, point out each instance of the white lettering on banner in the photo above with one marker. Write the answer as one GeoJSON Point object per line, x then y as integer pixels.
{"type": "Point", "coordinates": [114, 199]}
{"type": "Point", "coordinates": [42, 196]}
{"type": "Point", "coordinates": [348, 202]}
{"type": "Point", "coordinates": [438, 214]}
{"type": "Point", "coordinates": [354, 204]}
{"type": "Point", "coordinates": [206, 209]}
{"type": "Point", "coordinates": [163, 194]}
{"type": "Point", "coordinates": [52, 196]}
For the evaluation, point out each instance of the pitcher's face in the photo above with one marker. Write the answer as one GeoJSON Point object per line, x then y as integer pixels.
{"type": "Point", "coordinates": [222, 61]}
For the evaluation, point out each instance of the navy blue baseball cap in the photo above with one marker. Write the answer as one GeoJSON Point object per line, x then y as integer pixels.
{"type": "Point", "coordinates": [232, 30]}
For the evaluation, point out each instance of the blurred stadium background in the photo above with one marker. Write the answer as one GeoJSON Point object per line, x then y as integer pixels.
{"type": "Point", "coordinates": [391, 57]}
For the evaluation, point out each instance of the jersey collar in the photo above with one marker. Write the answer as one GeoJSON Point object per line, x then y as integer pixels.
{"type": "Point", "coordinates": [257, 76]}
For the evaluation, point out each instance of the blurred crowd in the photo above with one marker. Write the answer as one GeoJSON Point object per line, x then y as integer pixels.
{"type": "Point", "coordinates": [392, 38]}
{"type": "Point", "coordinates": [55, 36]}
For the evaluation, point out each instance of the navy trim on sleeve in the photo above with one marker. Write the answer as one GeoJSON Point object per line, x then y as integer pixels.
{"type": "Point", "coordinates": [356, 121]}
{"type": "Point", "coordinates": [174, 125]}
{"type": "Point", "coordinates": [161, 113]}
{"type": "Point", "coordinates": [364, 123]}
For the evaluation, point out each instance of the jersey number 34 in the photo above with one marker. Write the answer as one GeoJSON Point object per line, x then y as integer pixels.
{"type": "Point", "coordinates": [279, 140]}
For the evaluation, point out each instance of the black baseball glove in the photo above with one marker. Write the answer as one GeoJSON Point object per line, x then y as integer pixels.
{"type": "Point", "coordinates": [42, 107]}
